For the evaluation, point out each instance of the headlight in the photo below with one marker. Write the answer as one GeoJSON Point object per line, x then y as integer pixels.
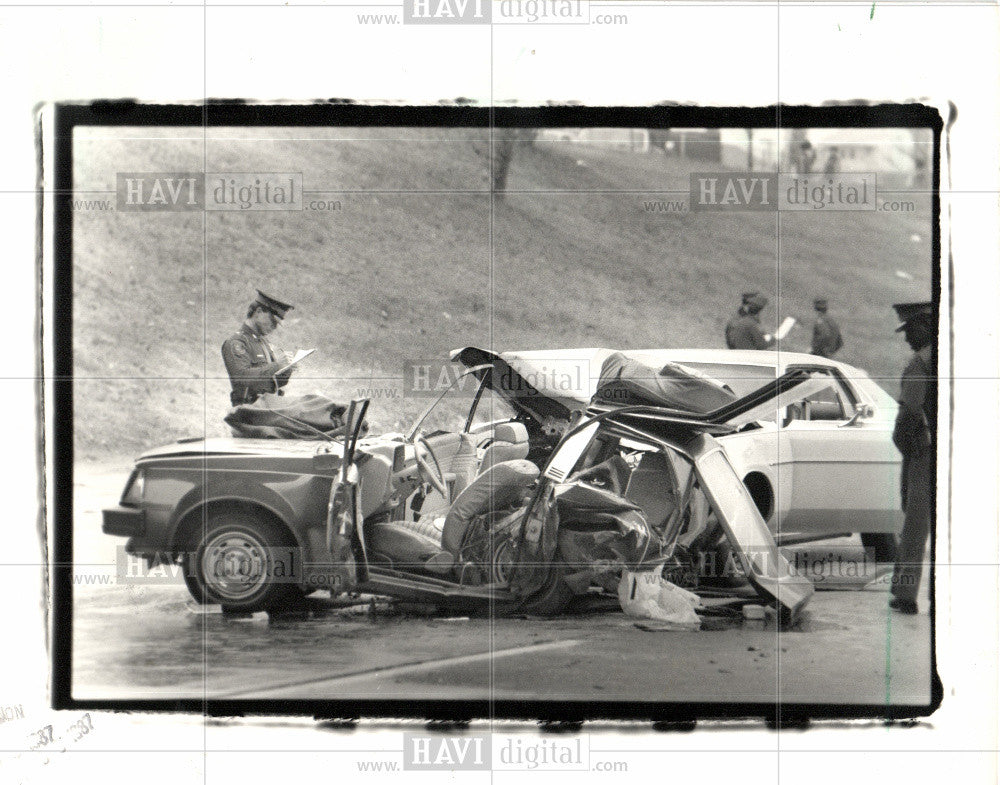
{"type": "Point", "coordinates": [134, 489]}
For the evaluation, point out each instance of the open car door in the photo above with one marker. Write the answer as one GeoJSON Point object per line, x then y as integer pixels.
{"type": "Point", "coordinates": [345, 537]}
{"type": "Point", "coordinates": [766, 569]}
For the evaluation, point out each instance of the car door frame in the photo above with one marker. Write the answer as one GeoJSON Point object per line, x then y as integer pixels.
{"type": "Point", "coordinates": [345, 537]}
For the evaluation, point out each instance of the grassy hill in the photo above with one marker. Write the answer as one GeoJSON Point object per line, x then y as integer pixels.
{"type": "Point", "coordinates": [410, 269]}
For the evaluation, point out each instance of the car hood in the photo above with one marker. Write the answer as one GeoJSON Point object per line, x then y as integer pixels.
{"type": "Point", "coordinates": [231, 446]}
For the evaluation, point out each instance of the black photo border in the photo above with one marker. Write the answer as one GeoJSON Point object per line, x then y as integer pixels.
{"type": "Point", "coordinates": [331, 113]}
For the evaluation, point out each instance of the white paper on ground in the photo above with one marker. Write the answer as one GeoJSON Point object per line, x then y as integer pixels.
{"type": "Point", "coordinates": [645, 595]}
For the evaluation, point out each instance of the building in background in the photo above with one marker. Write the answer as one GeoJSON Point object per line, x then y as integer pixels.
{"type": "Point", "coordinates": [899, 156]}
{"type": "Point", "coordinates": [634, 139]}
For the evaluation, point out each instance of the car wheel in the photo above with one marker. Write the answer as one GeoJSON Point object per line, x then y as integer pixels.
{"type": "Point", "coordinates": [882, 545]}
{"type": "Point", "coordinates": [554, 595]}
{"type": "Point", "coordinates": [233, 564]}
{"type": "Point", "coordinates": [502, 558]}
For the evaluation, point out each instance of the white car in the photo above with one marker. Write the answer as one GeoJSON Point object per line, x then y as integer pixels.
{"type": "Point", "coordinates": [823, 465]}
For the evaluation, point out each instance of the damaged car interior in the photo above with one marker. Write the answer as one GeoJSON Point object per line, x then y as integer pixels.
{"type": "Point", "coordinates": [622, 490]}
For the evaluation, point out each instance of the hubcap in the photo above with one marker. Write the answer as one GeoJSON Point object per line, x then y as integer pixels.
{"type": "Point", "coordinates": [234, 565]}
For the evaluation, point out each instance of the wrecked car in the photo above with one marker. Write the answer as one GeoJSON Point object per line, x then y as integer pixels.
{"type": "Point", "coordinates": [521, 508]}
{"type": "Point", "coordinates": [796, 460]}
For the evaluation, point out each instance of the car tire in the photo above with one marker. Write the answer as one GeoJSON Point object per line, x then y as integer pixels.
{"type": "Point", "coordinates": [233, 564]}
{"type": "Point", "coordinates": [882, 545]}
{"type": "Point", "coordinates": [554, 595]}
{"type": "Point", "coordinates": [502, 558]}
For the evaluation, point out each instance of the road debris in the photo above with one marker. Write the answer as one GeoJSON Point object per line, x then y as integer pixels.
{"type": "Point", "coordinates": [645, 595]}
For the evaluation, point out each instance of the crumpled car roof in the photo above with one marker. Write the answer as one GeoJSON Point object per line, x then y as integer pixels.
{"type": "Point", "coordinates": [628, 381]}
{"type": "Point", "coordinates": [557, 382]}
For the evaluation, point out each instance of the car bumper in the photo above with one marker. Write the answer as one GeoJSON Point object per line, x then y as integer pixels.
{"type": "Point", "coordinates": [124, 522]}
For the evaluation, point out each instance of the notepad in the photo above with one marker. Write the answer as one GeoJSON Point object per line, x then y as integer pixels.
{"type": "Point", "coordinates": [301, 354]}
{"type": "Point", "coordinates": [784, 328]}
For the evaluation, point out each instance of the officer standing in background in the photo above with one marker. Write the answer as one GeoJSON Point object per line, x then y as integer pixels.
{"type": "Point", "coordinates": [915, 437]}
{"type": "Point", "coordinates": [826, 333]}
{"type": "Point", "coordinates": [253, 364]}
{"type": "Point", "coordinates": [807, 157]}
{"type": "Point", "coordinates": [743, 331]}
{"type": "Point", "coordinates": [832, 165]}
{"type": "Point", "coordinates": [740, 313]}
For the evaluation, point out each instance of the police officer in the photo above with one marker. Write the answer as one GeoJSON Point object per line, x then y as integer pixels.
{"type": "Point", "coordinates": [826, 333]}
{"type": "Point", "coordinates": [253, 364]}
{"type": "Point", "coordinates": [807, 157]}
{"type": "Point", "coordinates": [832, 161]}
{"type": "Point", "coordinates": [740, 313]}
{"type": "Point", "coordinates": [743, 331]}
{"type": "Point", "coordinates": [914, 436]}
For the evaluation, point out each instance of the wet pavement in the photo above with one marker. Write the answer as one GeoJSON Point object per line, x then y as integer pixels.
{"type": "Point", "coordinates": [151, 641]}
{"type": "Point", "coordinates": [848, 648]}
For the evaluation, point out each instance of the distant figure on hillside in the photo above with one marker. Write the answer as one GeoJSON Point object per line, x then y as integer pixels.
{"type": "Point", "coordinates": [826, 333]}
{"type": "Point", "coordinates": [832, 165]}
{"type": "Point", "coordinates": [804, 158]}
{"type": "Point", "coordinates": [253, 364]}
{"type": "Point", "coordinates": [743, 331]}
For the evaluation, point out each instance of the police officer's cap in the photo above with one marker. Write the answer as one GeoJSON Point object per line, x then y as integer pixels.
{"type": "Point", "coordinates": [756, 302]}
{"type": "Point", "coordinates": [820, 303]}
{"type": "Point", "coordinates": [276, 307]}
{"type": "Point", "coordinates": [921, 314]}
{"type": "Point", "coordinates": [747, 296]}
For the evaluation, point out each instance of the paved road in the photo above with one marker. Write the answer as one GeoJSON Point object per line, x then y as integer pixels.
{"type": "Point", "coordinates": [144, 641]}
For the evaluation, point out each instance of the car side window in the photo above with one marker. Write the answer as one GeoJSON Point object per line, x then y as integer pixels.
{"type": "Point", "coordinates": [827, 404]}
{"type": "Point", "coordinates": [491, 408]}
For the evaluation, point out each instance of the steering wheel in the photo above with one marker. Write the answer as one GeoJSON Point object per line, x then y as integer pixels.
{"type": "Point", "coordinates": [434, 476]}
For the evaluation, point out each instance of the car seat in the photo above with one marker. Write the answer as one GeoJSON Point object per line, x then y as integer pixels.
{"type": "Point", "coordinates": [510, 443]}
{"type": "Point", "coordinates": [463, 464]}
{"type": "Point", "coordinates": [651, 487]}
{"type": "Point", "coordinates": [499, 487]}
{"type": "Point", "coordinates": [406, 543]}
{"type": "Point", "coordinates": [824, 410]}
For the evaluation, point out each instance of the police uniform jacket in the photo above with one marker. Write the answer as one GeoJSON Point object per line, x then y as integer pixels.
{"type": "Point", "coordinates": [252, 365]}
{"type": "Point", "coordinates": [826, 337]}
{"type": "Point", "coordinates": [916, 420]}
{"type": "Point", "coordinates": [743, 332]}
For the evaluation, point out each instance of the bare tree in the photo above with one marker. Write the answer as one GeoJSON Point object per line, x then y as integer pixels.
{"type": "Point", "coordinates": [504, 144]}
{"type": "Point", "coordinates": [503, 152]}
